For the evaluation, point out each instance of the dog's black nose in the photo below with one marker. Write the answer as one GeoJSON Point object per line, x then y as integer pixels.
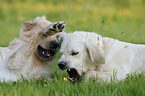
{"type": "Point", "coordinates": [54, 44]}
{"type": "Point", "coordinates": [62, 65]}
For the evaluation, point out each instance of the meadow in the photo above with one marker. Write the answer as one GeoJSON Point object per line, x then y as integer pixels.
{"type": "Point", "coordinates": [120, 19]}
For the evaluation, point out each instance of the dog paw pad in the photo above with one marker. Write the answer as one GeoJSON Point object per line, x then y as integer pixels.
{"type": "Point", "coordinates": [58, 27]}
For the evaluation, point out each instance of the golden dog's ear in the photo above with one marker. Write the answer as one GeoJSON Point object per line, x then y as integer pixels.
{"type": "Point", "coordinates": [28, 25]}
{"type": "Point", "coordinates": [25, 32]}
{"type": "Point", "coordinates": [95, 50]}
{"type": "Point", "coordinates": [30, 28]}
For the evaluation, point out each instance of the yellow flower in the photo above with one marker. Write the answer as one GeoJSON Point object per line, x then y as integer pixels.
{"type": "Point", "coordinates": [65, 79]}
{"type": "Point", "coordinates": [45, 85]}
{"type": "Point", "coordinates": [45, 80]}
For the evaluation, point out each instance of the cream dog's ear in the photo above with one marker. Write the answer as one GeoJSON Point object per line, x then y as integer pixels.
{"type": "Point", "coordinates": [95, 50]}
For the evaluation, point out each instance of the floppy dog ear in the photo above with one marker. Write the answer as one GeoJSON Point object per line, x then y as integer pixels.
{"type": "Point", "coordinates": [28, 25]}
{"type": "Point", "coordinates": [95, 50]}
{"type": "Point", "coordinates": [25, 32]}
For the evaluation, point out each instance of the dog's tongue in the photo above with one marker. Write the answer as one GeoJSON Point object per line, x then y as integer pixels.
{"type": "Point", "coordinates": [50, 55]}
{"type": "Point", "coordinates": [47, 53]}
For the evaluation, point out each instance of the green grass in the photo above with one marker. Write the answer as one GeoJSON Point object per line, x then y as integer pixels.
{"type": "Point", "coordinates": [132, 86]}
{"type": "Point", "coordinates": [120, 19]}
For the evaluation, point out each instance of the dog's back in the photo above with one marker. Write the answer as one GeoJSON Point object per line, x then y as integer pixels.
{"type": "Point", "coordinates": [125, 57]}
{"type": "Point", "coordinates": [5, 73]}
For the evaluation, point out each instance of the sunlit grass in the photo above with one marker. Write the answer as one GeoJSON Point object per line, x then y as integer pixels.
{"type": "Point", "coordinates": [132, 86]}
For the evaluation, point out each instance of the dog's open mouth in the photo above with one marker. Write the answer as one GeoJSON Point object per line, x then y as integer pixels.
{"type": "Point", "coordinates": [46, 53]}
{"type": "Point", "coordinates": [73, 75]}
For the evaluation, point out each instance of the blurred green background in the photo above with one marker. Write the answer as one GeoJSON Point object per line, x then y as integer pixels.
{"type": "Point", "coordinates": [121, 19]}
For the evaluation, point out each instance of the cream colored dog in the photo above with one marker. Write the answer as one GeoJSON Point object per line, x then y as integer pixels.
{"type": "Point", "coordinates": [28, 56]}
{"type": "Point", "coordinates": [99, 57]}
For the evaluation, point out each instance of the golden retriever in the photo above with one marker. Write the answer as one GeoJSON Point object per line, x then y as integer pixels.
{"type": "Point", "coordinates": [28, 55]}
{"type": "Point", "coordinates": [91, 55]}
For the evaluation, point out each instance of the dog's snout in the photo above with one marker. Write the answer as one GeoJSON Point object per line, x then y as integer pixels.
{"type": "Point", "coordinates": [54, 44]}
{"type": "Point", "coordinates": [62, 65]}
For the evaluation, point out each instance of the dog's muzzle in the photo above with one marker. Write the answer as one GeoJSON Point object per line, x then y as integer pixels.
{"type": "Point", "coordinates": [72, 72]}
{"type": "Point", "coordinates": [48, 54]}
{"type": "Point", "coordinates": [73, 75]}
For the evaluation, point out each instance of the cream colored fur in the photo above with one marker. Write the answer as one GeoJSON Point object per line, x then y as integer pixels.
{"type": "Point", "coordinates": [101, 57]}
{"type": "Point", "coordinates": [18, 59]}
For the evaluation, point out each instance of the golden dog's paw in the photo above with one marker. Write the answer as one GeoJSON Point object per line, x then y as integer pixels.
{"type": "Point", "coordinates": [58, 26]}
{"type": "Point", "coordinates": [53, 28]}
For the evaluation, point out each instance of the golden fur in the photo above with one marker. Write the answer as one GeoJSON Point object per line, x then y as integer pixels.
{"type": "Point", "coordinates": [22, 58]}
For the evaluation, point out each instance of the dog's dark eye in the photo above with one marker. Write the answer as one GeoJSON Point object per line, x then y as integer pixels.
{"type": "Point", "coordinates": [74, 53]}
{"type": "Point", "coordinates": [44, 35]}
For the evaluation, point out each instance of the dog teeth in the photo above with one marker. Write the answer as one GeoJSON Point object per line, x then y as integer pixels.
{"type": "Point", "coordinates": [48, 54]}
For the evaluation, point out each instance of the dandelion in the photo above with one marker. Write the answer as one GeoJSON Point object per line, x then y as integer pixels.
{"type": "Point", "coordinates": [45, 85]}
{"type": "Point", "coordinates": [65, 79]}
